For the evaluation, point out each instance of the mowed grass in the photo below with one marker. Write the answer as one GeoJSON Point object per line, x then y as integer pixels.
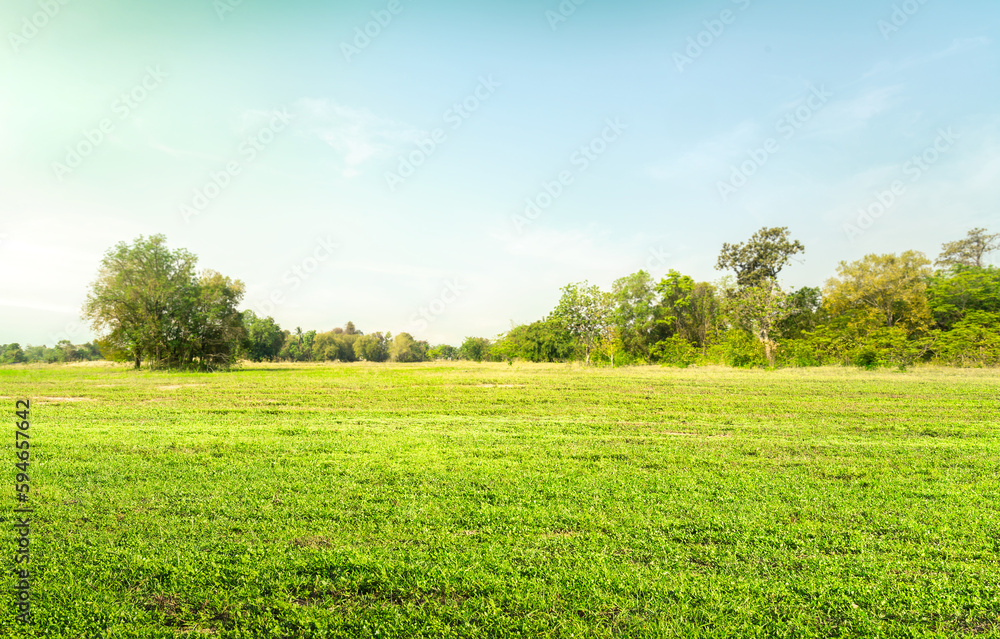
{"type": "Point", "coordinates": [487, 500]}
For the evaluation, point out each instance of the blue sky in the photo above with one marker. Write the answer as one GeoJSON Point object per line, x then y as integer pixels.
{"type": "Point", "coordinates": [385, 177]}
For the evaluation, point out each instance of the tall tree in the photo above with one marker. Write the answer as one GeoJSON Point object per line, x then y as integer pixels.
{"type": "Point", "coordinates": [633, 302]}
{"type": "Point", "coordinates": [151, 306]}
{"type": "Point", "coordinates": [970, 251]}
{"type": "Point", "coordinates": [687, 309]}
{"type": "Point", "coordinates": [585, 312]}
{"type": "Point", "coordinates": [761, 257]}
{"type": "Point", "coordinates": [759, 310]}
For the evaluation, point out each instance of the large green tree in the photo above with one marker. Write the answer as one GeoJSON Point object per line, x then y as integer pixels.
{"type": "Point", "coordinates": [586, 313]}
{"type": "Point", "coordinates": [264, 337]}
{"type": "Point", "coordinates": [686, 309]}
{"type": "Point", "coordinates": [891, 289]}
{"type": "Point", "coordinates": [633, 306]}
{"type": "Point", "coordinates": [406, 349]}
{"type": "Point", "coordinates": [151, 306]}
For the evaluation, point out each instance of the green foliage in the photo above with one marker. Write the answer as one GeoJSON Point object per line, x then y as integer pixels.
{"type": "Point", "coordinates": [804, 313]}
{"type": "Point", "coordinates": [151, 306]}
{"type": "Point", "coordinates": [687, 309]}
{"type": "Point", "coordinates": [760, 258]}
{"type": "Point", "coordinates": [962, 289]}
{"type": "Point", "coordinates": [757, 310]}
{"type": "Point", "coordinates": [541, 341]}
{"type": "Point", "coordinates": [63, 351]}
{"type": "Point", "coordinates": [585, 312]}
{"type": "Point", "coordinates": [476, 349]}
{"type": "Point", "coordinates": [675, 351]}
{"type": "Point", "coordinates": [12, 354]}
{"type": "Point", "coordinates": [743, 350]}
{"type": "Point", "coordinates": [889, 287]}
{"type": "Point", "coordinates": [442, 351]}
{"type": "Point", "coordinates": [373, 347]}
{"type": "Point", "coordinates": [633, 314]}
{"type": "Point", "coordinates": [972, 341]}
{"type": "Point", "coordinates": [405, 349]}
{"type": "Point", "coordinates": [264, 338]}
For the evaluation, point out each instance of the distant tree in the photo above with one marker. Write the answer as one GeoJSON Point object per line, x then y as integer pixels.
{"type": "Point", "coordinates": [633, 307]}
{"type": "Point", "coordinates": [970, 251]}
{"type": "Point", "coordinates": [373, 347]}
{"type": "Point", "coordinates": [405, 349]}
{"type": "Point", "coordinates": [264, 338]}
{"type": "Point", "coordinates": [891, 288]}
{"type": "Point", "coordinates": [761, 257]}
{"type": "Point", "coordinates": [12, 354]}
{"type": "Point", "coordinates": [151, 306]}
{"type": "Point", "coordinates": [686, 309]}
{"type": "Point", "coordinates": [585, 312]}
{"type": "Point", "coordinates": [475, 349]}
{"type": "Point", "coordinates": [442, 351]}
{"type": "Point", "coordinates": [541, 341]}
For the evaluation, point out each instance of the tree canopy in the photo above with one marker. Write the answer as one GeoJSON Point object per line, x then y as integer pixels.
{"type": "Point", "coordinates": [151, 306]}
{"type": "Point", "coordinates": [761, 257]}
{"type": "Point", "coordinates": [969, 251]}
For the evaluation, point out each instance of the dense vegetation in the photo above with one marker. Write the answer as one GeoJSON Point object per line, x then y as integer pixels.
{"type": "Point", "coordinates": [487, 500]}
{"type": "Point", "coordinates": [881, 310]}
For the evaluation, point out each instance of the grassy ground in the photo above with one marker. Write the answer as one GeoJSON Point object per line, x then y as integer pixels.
{"type": "Point", "coordinates": [489, 500]}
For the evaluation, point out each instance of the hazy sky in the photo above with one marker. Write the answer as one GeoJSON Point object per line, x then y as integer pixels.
{"type": "Point", "coordinates": [363, 161]}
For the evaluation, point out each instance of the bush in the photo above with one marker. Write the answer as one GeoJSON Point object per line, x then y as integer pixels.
{"type": "Point", "coordinates": [742, 350]}
{"type": "Point", "coordinates": [675, 351]}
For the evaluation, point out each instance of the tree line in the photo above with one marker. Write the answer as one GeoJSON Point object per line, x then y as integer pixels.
{"type": "Point", "coordinates": [152, 307]}
{"type": "Point", "coordinates": [881, 310]}
{"type": "Point", "coordinates": [63, 351]}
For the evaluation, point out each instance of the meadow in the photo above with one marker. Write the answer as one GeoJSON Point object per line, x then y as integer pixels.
{"type": "Point", "coordinates": [489, 500]}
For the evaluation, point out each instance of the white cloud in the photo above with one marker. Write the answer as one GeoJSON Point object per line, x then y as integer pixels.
{"type": "Point", "coordinates": [957, 47]}
{"type": "Point", "coordinates": [358, 135]}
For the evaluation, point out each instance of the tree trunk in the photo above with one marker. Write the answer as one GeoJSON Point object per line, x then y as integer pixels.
{"type": "Point", "coordinates": [137, 361]}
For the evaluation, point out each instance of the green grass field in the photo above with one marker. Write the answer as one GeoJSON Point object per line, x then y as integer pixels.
{"type": "Point", "coordinates": [467, 500]}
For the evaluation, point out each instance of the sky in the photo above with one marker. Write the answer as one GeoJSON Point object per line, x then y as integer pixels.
{"type": "Point", "coordinates": [444, 168]}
